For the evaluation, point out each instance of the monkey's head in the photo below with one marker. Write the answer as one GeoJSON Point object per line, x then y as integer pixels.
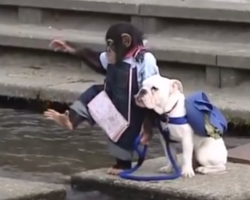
{"type": "Point", "coordinates": [122, 38]}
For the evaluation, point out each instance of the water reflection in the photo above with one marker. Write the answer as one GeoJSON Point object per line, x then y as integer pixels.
{"type": "Point", "coordinates": [36, 149]}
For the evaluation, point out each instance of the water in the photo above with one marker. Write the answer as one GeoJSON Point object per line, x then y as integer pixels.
{"type": "Point", "coordinates": [33, 148]}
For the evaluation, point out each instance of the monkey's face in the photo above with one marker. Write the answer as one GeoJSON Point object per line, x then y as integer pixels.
{"type": "Point", "coordinates": [119, 40]}
{"type": "Point", "coordinates": [117, 47]}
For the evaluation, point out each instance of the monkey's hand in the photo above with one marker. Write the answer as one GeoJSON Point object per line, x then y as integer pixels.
{"type": "Point", "coordinates": [147, 133]}
{"type": "Point", "coordinates": [147, 127]}
{"type": "Point", "coordinates": [61, 45]}
{"type": "Point", "coordinates": [146, 137]}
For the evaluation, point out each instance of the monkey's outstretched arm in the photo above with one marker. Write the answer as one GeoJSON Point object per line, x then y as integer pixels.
{"type": "Point", "coordinates": [89, 57]}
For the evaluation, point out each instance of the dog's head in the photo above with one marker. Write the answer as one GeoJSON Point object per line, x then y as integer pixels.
{"type": "Point", "coordinates": [159, 93]}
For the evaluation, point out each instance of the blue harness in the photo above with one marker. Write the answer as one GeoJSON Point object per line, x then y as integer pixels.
{"type": "Point", "coordinates": [198, 107]}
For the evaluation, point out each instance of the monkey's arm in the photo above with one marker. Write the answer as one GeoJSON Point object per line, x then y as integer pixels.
{"type": "Point", "coordinates": [89, 57]}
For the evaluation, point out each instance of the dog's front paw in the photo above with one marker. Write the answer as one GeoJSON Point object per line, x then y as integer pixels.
{"type": "Point", "coordinates": [187, 171]}
{"type": "Point", "coordinates": [166, 169]}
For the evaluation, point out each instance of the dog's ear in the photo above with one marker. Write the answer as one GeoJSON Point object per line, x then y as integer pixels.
{"type": "Point", "coordinates": [175, 89]}
{"type": "Point", "coordinates": [176, 85]}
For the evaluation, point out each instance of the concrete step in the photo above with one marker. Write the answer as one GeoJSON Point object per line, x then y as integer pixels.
{"type": "Point", "coordinates": [213, 10]}
{"type": "Point", "coordinates": [20, 189]}
{"type": "Point", "coordinates": [226, 64]}
{"type": "Point", "coordinates": [239, 154]}
{"type": "Point", "coordinates": [62, 79]}
{"type": "Point", "coordinates": [224, 10]}
{"type": "Point", "coordinates": [220, 186]}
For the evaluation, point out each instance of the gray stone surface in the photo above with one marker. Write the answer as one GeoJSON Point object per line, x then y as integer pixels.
{"type": "Point", "coordinates": [29, 15]}
{"type": "Point", "coordinates": [198, 9]}
{"type": "Point", "coordinates": [230, 77]}
{"type": "Point", "coordinates": [12, 189]}
{"type": "Point", "coordinates": [31, 78]}
{"type": "Point", "coordinates": [213, 76]}
{"type": "Point", "coordinates": [208, 10]}
{"type": "Point", "coordinates": [237, 58]}
{"type": "Point", "coordinates": [165, 48]}
{"type": "Point", "coordinates": [128, 7]}
{"type": "Point", "coordinates": [148, 24]}
{"type": "Point", "coordinates": [225, 186]}
{"type": "Point", "coordinates": [42, 77]}
{"type": "Point", "coordinates": [137, 21]}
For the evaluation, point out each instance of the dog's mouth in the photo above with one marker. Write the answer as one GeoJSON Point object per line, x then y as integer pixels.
{"type": "Point", "coordinates": [139, 101]}
{"type": "Point", "coordinates": [144, 101]}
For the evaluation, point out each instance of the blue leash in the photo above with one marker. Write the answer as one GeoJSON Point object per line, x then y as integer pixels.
{"type": "Point", "coordinates": [127, 174]}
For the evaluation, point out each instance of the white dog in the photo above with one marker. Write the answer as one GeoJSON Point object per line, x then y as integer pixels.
{"type": "Point", "coordinates": [166, 96]}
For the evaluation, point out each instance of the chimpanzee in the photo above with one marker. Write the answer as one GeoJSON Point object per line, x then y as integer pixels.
{"type": "Point", "coordinates": [124, 50]}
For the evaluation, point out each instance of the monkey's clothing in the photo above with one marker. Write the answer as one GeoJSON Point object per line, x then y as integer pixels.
{"type": "Point", "coordinates": [117, 81]}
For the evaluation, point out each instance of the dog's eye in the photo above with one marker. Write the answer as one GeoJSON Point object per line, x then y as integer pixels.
{"type": "Point", "coordinates": [154, 88]}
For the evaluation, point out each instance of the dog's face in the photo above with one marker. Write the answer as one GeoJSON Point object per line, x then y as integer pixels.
{"type": "Point", "coordinates": [158, 93]}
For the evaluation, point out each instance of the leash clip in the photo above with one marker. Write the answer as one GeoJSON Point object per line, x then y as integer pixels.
{"type": "Point", "coordinates": [167, 118]}
{"type": "Point", "coordinates": [166, 121]}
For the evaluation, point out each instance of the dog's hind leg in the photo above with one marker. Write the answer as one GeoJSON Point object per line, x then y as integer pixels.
{"type": "Point", "coordinates": [168, 168]}
{"type": "Point", "coordinates": [212, 156]}
{"type": "Point", "coordinates": [210, 169]}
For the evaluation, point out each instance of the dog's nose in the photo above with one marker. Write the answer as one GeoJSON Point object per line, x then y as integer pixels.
{"type": "Point", "coordinates": [143, 92]}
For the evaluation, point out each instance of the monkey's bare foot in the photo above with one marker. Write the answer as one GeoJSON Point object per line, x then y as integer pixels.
{"type": "Point", "coordinates": [114, 171]}
{"type": "Point", "coordinates": [119, 167]}
{"type": "Point", "coordinates": [61, 119]}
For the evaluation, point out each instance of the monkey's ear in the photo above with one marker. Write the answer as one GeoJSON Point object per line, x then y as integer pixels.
{"type": "Point", "coordinates": [126, 39]}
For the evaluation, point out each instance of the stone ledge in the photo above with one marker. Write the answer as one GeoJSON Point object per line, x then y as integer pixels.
{"type": "Point", "coordinates": [26, 190]}
{"type": "Point", "coordinates": [127, 7]}
{"type": "Point", "coordinates": [52, 84]}
{"type": "Point", "coordinates": [232, 104]}
{"type": "Point", "coordinates": [191, 9]}
{"type": "Point", "coordinates": [224, 186]}
{"type": "Point", "coordinates": [165, 48]}
{"type": "Point", "coordinates": [168, 49]}
{"type": "Point", "coordinates": [29, 15]}
{"type": "Point", "coordinates": [197, 9]}
{"type": "Point", "coordinates": [240, 154]}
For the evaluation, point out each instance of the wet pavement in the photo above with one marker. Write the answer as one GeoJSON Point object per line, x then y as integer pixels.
{"type": "Point", "coordinates": [34, 148]}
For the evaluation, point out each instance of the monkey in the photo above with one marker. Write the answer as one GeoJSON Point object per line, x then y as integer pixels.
{"type": "Point", "coordinates": [125, 51]}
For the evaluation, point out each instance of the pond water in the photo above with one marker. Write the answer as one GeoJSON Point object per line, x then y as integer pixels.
{"type": "Point", "coordinates": [33, 148]}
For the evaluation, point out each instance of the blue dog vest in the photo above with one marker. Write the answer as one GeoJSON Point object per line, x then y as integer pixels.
{"type": "Point", "coordinates": [200, 112]}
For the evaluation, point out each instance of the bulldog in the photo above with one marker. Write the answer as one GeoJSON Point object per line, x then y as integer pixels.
{"type": "Point", "coordinates": [165, 96]}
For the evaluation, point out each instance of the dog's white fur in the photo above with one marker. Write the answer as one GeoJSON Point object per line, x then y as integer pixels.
{"type": "Point", "coordinates": [161, 94]}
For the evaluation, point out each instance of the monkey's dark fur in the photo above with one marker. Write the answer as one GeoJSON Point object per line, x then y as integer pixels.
{"type": "Point", "coordinates": [115, 33]}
